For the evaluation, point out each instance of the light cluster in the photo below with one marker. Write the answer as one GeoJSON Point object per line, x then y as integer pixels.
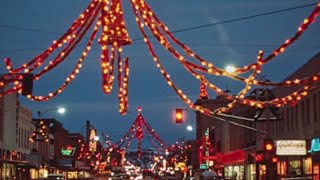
{"type": "Point", "coordinates": [108, 17]}
{"type": "Point", "coordinates": [139, 130]}
{"type": "Point", "coordinates": [40, 133]}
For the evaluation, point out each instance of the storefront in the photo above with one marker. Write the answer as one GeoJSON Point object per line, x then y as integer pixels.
{"type": "Point", "coordinates": [314, 152]}
{"type": "Point", "coordinates": [251, 171]}
{"type": "Point", "coordinates": [13, 169]}
{"type": "Point", "coordinates": [293, 159]}
{"type": "Point", "coordinates": [233, 164]}
{"type": "Point", "coordinates": [8, 170]}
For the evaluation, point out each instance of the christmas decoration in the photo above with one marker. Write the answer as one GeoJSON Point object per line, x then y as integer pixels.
{"type": "Point", "coordinates": [203, 91]}
{"type": "Point", "coordinates": [139, 130]}
{"type": "Point", "coordinates": [109, 16]}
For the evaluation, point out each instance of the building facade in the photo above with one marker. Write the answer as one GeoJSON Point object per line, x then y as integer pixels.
{"type": "Point", "coordinates": [239, 150]}
{"type": "Point", "coordinates": [301, 121]}
{"type": "Point", "coordinates": [15, 128]}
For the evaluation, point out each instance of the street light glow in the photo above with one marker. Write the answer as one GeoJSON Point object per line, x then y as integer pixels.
{"type": "Point", "coordinates": [61, 110]}
{"type": "Point", "coordinates": [96, 138]}
{"type": "Point", "coordinates": [189, 128]}
{"type": "Point", "coordinates": [230, 69]}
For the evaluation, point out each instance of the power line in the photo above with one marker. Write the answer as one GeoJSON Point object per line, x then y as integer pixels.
{"type": "Point", "coordinates": [174, 31]}
{"type": "Point", "coordinates": [189, 44]}
{"type": "Point", "coordinates": [18, 28]}
{"type": "Point", "coordinates": [238, 19]}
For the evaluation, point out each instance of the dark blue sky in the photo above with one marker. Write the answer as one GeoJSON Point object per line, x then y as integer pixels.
{"type": "Point", "coordinates": [234, 43]}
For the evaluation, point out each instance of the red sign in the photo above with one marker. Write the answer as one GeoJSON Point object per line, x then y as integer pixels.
{"type": "Point", "coordinates": [259, 157]}
{"type": "Point", "coordinates": [236, 156]}
{"type": "Point", "coordinates": [210, 157]}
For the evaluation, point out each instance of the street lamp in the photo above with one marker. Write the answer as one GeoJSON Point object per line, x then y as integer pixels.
{"type": "Point", "coordinates": [60, 110]}
{"type": "Point", "coordinates": [96, 138]}
{"type": "Point", "coordinates": [230, 69]}
{"type": "Point", "coordinates": [41, 127]}
{"type": "Point", "coordinates": [189, 128]}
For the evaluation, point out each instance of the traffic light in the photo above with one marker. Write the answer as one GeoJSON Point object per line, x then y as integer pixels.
{"type": "Point", "coordinates": [27, 84]}
{"type": "Point", "coordinates": [274, 159]}
{"type": "Point", "coordinates": [179, 116]}
{"type": "Point", "coordinates": [268, 145]}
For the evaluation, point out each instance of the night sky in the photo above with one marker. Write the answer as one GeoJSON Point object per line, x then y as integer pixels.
{"type": "Point", "coordinates": [28, 27]}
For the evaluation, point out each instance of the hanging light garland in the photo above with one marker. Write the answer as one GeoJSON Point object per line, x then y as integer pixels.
{"type": "Point", "coordinates": [139, 129]}
{"type": "Point", "coordinates": [108, 16]}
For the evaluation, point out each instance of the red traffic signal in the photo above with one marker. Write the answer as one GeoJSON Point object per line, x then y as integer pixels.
{"type": "Point", "coordinates": [268, 145]}
{"type": "Point", "coordinates": [179, 116]}
{"type": "Point", "coordinates": [274, 159]}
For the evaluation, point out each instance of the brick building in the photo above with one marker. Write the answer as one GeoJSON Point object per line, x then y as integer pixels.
{"type": "Point", "coordinates": [300, 121]}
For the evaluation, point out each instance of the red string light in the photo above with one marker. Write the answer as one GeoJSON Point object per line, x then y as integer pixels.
{"type": "Point", "coordinates": [114, 36]}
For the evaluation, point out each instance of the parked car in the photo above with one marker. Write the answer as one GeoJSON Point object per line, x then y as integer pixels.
{"type": "Point", "coordinates": [305, 177]}
{"type": "Point", "coordinates": [56, 176]}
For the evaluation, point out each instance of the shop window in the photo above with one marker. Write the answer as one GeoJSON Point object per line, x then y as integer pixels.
{"type": "Point", "coordinates": [307, 165]}
{"type": "Point", "coordinates": [234, 172]}
{"type": "Point", "coordinates": [294, 167]}
{"type": "Point", "coordinates": [251, 172]}
{"type": "Point", "coordinates": [262, 171]}
{"type": "Point", "coordinates": [316, 171]}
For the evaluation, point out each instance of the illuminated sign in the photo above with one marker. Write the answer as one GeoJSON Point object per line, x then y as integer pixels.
{"type": "Point", "coordinates": [236, 156]}
{"type": "Point", "coordinates": [291, 147]}
{"type": "Point", "coordinates": [259, 157]}
{"type": "Point", "coordinates": [203, 166]}
{"type": "Point", "coordinates": [210, 157]}
{"type": "Point", "coordinates": [69, 151]}
{"type": "Point", "coordinates": [315, 145]}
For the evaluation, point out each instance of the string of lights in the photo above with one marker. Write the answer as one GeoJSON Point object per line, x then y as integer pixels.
{"type": "Point", "coordinates": [108, 17]}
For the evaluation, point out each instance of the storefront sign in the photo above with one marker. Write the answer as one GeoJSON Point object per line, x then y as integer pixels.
{"type": "Point", "coordinates": [203, 166]}
{"type": "Point", "coordinates": [236, 156]}
{"type": "Point", "coordinates": [69, 151]}
{"type": "Point", "coordinates": [315, 145]}
{"type": "Point", "coordinates": [291, 147]}
{"type": "Point", "coordinates": [209, 157]}
{"type": "Point", "coordinates": [259, 157]}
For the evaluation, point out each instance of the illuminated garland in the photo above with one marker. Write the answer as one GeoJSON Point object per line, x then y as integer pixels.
{"type": "Point", "coordinates": [139, 129]}
{"type": "Point", "coordinates": [108, 15]}
{"type": "Point", "coordinates": [40, 133]}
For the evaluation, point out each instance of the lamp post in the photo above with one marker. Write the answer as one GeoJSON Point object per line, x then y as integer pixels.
{"type": "Point", "coordinates": [60, 110]}
{"type": "Point", "coordinates": [42, 133]}
{"type": "Point", "coordinates": [189, 128]}
{"type": "Point", "coordinates": [41, 128]}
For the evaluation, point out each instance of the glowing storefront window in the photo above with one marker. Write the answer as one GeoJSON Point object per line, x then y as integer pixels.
{"type": "Point", "coordinates": [236, 172]}
{"type": "Point", "coordinates": [282, 168]}
{"type": "Point", "coordinates": [307, 165]}
{"type": "Point", "coordinates": [294, 167]}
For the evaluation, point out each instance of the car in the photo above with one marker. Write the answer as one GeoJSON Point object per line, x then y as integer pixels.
{"type": "Point", "coordinates": [190, 178]}
{"type": "Point", "coordinates": [296, 177]}
{"type": "Point", "coordinates": [56, 176]}
{"type": "Point", "coordinates": [119, 176]}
